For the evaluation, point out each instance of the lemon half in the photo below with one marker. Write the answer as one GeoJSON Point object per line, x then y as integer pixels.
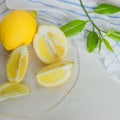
{"type": "Point", "coordinates": [10, 90]}
{"type": "Point", "coordinates": [17, 64]}
{"type": "Point", "coordinates": [55, 74]}
{"type": "Point", "coordinates": [50, 44]}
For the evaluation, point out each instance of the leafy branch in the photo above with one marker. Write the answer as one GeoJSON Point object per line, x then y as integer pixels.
{"type": "Point", "coordinates": [95, 37]}
{"type": "Point", "coordinates": [90, 41]}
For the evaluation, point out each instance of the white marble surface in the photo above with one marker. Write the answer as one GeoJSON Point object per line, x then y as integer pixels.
{"type": "Point", "coordinates": [95, 97]}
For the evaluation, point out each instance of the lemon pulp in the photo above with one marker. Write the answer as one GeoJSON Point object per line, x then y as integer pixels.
{"type": "Point", "coordinates": [50, 44]}
{"type": "Point", "coordinates": [55, 74]}
{"type": "Point", "coordinates": [10, 90]}
{"type": "Point", "coordinates": [17, 64]}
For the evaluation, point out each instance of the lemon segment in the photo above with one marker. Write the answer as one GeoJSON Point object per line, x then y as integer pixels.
{"type": "Point", "coordinates": [10, 90]}
{"type": "Point", "coordinates": [17, 64]}
{"type": "Point", "coordinates": [55, 74]}
{"type": "Point", "coordinates": [50, 44]}
{"type": "Point", "coordinates": [46, 53]}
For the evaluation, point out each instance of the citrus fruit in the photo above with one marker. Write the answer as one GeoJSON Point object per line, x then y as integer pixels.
{"type": "Point", "coordinates": [17, 64]}
{"type": "Point", "coordinates": [55, 74]}
{"type": "Point", "coordinates": [50, 44]}
{"type": "Point", "coordinates": [16, 28]}
{"type": "Point", "coordinates": [10, 90]}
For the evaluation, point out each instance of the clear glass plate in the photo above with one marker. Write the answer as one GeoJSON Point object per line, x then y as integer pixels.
{"type": "Point", "coordinates": [41, 100]}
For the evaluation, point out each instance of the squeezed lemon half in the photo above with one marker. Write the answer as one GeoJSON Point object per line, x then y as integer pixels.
{"type": "Point", "coordinates": [10, 90]}
{"type": "Point", "coordinates": [17, 64]}
{"type": "Point", "coordinates": [55, 74]}
{"type": "Point", "coordinates": [50, 44]}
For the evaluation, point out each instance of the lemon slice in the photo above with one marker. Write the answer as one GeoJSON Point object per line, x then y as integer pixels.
{"type": "Point", "coordinates": [50, 44]}
{"type": "Point", "coordinates": [17, 64]}
{"type": "Point", "coordinates": [10, 90]}
{"type": "Point", "coordinates": [55, 74]}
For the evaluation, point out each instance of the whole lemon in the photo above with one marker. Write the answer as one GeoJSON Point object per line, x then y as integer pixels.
{"type": "Point", "coordinates": [16, 28]}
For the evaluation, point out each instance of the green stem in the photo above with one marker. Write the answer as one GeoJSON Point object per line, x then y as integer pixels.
{"type": "Point", "coordinates": [89, 16]}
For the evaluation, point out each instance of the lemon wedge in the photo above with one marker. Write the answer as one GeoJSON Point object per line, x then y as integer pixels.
{"type": "Point", "coordinates": [50, 44]}
{"type": "Point", "coordinates": [17, 64]}
{"type": "Point", "coordinates": [55, 74]}
{"type": "Point", "coordinates": [10, 90]}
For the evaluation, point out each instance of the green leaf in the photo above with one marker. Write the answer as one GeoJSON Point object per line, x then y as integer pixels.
{"type": "Point", "coordinates": [92, 41]}
{"type": "Point", "coordinates": [106, 9]}
{"type": "Point", "coordinates": [114, 35]}
{"type": "Point", "coordinates": [108, 46]}
{"type": "Point", "coordinates": [73, 27]}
